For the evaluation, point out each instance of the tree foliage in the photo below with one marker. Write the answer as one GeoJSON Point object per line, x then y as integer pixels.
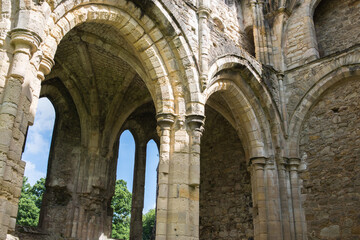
{"type": "Point", "coordinates": [121, 203]}
{"type": "Point", "coordinates": [30, 202]}
{"type": "Point", "coordinates": [148, 224]}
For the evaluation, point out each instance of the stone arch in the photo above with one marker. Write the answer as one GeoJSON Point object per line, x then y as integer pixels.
{"type": "Point", "coordinates": [324, 82]}
{"type": "Point", "coordinates": [163, 58]}
{"type": "Point", "coordinates": [250, 133]}
{"type": "Point", "coordinates": [251, 99]}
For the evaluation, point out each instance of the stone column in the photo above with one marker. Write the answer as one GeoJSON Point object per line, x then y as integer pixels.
{"type": "Point", "coordinates": [299, 215]}
{"type": "Point", "coordinates": [195, 123]}
{"type": "Point", "coordinates": [204, 40]}
{"type": "Point", "coordinates": [13, 127]}
{"type": "Point", "coordinates": [286, 201]}
{"type": "Point", "coordinates": [137, 206]}
{"type": "Point", "coordinates": [260, 39]}
{"type": "Point", "coordinates": [165, 122]}
{"type": "Point", "coordinates": [273, 203]}
{"type": "Point", "coordinates": [259, 198]}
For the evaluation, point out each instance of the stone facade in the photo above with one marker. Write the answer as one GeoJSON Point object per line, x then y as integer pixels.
{"type": "Point", "coordinates": [274, 83]}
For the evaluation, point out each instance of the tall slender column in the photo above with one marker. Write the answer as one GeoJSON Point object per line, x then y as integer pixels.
{"type": "Point", "coordinates": [195, 122]}
{"type": "Point", "coordinates": [13, 125]}
{"type": "Point", "coordinates": [299, 216]}
{"type": "Point", "coordinates": [260, 39]}
{"type": "Point", "coordinates": [137, 205]}
{"type": "Point", "coordinates": [204, 40]}
{"type": "Point", "coordinates": [259, 198]}
{"type": "Point", "coordinates": [273, 203]}
{"type": "Point", "coordinates": [165, 122]}
{"type": "Point", "coordinates": [286, 201]}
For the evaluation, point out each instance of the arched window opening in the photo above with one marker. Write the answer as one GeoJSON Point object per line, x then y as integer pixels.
{"type": "Point", "coordinates": [121, 201]}
{"type": "Point", "coordinates": [36, 154]}
{"type": "Point", "coordinates": [250, 44]}
{"type": "Point", "coordinates": [336, 25]}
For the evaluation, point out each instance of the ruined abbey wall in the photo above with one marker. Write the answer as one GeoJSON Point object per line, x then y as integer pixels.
{"type": "Point", "coordinates": [284, 75]}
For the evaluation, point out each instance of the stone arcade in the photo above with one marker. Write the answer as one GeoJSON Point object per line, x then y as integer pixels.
{"type": "Point", "coordinates": [255, 107]}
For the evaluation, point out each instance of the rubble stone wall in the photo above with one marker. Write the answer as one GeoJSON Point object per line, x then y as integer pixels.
{"type": "Point", "coordinates": [336, 33]}
{"type": "Point", "coordinates": [330, 141]}
{"type": "Point", "coordinates": [225, 190]}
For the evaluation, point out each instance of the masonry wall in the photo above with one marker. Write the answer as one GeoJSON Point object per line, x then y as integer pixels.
{"type": "Point", "coordinates": [330, 141]}
{"type": "Point", "coordinates": [335, 25]}
{"type": "Point", "coordinates": [225, 190]}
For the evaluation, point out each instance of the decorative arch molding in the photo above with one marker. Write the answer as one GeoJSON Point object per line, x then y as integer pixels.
{"type": "Point", "coordinates": [166, 55]}
{"type": "Point", "coordinates": [230, 61]}
{"type": "Point", "coordinates": [248, 124]}
{"type": "Point", "coordinates": [251, 87]}
{"type": "Point", "coordinates": [313, 95]}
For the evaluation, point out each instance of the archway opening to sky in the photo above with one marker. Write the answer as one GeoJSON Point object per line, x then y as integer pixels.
{"type": "Point", "coordinates": [38, 141]}
{"type": "Point", "coordinates": [36, 155]}
{"type": "Point", "coordinates": [152, 162]}
{"type": "Point", "coordinates": [127, 171]}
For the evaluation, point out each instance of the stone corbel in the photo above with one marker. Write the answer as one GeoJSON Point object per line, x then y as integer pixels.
{"type": "Point", "coordinates": [45, 67]}
{"type": "Point", "coordinates": [195, 122]}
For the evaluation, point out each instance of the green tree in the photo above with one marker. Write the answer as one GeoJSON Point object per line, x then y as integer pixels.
{"type": "Point", "coordinates": [30, 203]}
{"type": "Point", "coordinates": [148, 224]}
{"type": "Point", "coordinates": [37, 191]}
{"type": "Point", "coordinates": [121, 203]}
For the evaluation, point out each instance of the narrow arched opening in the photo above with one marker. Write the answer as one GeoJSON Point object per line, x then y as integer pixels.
{"type": "Point", "coordinates": [149, 212]}
{"type": "Point", "coordinates": [122, 198]}
{"type": "Point", "coordinates": [249, 43]}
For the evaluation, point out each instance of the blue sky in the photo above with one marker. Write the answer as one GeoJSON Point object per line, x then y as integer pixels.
{"type": "Point", "coordinates": [38, 145]}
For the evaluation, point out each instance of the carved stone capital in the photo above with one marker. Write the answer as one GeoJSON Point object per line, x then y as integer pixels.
{"type": "Point", "coordinates": [195, 122]}
{"type": "Point", "coordinates": [280, 76]}
{"type": "Point", "coordinates": [165, 120]}
{"type": "Point", "coordinates": [258, 163]}
{"type": "Point", "coordinates": [23, 39]}
{"type": "Point", "coordinates": [294, 164]}
{"type": "Point", "coordinates": [204, 9]}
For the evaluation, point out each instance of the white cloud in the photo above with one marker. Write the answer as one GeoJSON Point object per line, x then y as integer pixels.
{"type": "Point", "coordinates": [32, 173]}
{"type": "Point", "coordinates": [36, 141]}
